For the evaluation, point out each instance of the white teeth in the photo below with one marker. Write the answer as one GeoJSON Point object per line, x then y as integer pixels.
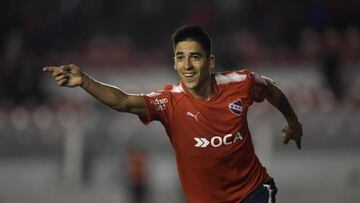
{"type": "Point", "coordinates": [189, 74]}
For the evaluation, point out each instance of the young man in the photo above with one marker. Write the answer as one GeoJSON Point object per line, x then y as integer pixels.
{"type": "Point", "coordinates": [204, 116]}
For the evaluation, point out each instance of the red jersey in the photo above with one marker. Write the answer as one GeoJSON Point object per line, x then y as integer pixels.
{"type": "Point", "coordinates": [214, 153]}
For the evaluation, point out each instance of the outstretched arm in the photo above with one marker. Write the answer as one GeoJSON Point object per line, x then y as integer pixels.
{"type": "Point", "coordinates": [73, 76]}
{"type": "Point", "coordinates": [277, 98]}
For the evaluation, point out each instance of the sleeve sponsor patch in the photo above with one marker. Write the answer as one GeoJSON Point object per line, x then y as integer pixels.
{"type": "Point", "coordinates": [159, 104]}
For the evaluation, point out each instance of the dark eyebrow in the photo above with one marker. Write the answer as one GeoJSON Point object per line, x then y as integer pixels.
{"type": "Point", "coordinates": [195, 53]}
{"type": "Point", "coordinates": [191, 53]}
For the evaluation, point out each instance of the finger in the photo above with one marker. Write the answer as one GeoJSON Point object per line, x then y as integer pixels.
{"type": "Point", "coordinates": [60, 77]}
{"type": "Point", "coordinates": [298, 143]}
{"type": "Point", "coordinates": [66, 67]}
{"type": "Point", "coordinates": [57, 72]}
{"type": "Point", "coordinates": [62, 82]}
{"type": "Point", "coordinates": [286, 138]}
{"type": "Point", "coordinates": [49, 68]}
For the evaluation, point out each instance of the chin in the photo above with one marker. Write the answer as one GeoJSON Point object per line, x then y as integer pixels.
{"type": "Point", "coordinates": [190, 85]}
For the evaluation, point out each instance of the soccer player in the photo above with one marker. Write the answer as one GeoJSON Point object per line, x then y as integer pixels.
{"type": "Point", "coordinates": [204, 116]}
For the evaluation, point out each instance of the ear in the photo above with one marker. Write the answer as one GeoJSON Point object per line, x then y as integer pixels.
{"type": "Point", "coordinates": [212, 61]}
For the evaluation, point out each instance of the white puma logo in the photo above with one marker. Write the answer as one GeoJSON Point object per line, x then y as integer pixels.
{"type": "Point", "coordinates": [192, 115]}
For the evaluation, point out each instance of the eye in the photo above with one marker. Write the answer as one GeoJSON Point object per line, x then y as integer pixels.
{"type": "Point", "coordinates": [180, 57]}
{"type": "Point", "coordinates": [195, 57]}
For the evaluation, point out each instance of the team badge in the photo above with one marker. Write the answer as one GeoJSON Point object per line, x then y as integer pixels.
{"type": "Point", "coordinates": [236, 107]}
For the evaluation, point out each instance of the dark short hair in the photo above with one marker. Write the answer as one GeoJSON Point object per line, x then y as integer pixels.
{"type": "Point", "coordinates": [194, 33]}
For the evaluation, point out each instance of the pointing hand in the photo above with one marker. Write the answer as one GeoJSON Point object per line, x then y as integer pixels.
{"type": "Point", "coordinates": [67, 76]}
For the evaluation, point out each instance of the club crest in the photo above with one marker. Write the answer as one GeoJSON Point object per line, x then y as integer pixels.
{"type": "Point", "coordinates": [236, 107]}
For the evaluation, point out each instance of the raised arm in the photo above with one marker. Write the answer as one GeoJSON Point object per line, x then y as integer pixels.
{"type": "Point", "coordinates": [277, 98]}
{"type": "Point", "coordinates": [73, 76]}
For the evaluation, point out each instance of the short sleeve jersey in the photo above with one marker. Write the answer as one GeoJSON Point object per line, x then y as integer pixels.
{"type": "Point", "coordinates": [211, 139]}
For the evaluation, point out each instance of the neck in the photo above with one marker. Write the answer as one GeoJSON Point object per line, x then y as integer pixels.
{"type": "Point", "coordinates": [206, 91]}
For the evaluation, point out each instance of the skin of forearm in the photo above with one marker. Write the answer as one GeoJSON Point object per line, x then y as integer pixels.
{"type": "Point", "coordinates": [277, 98]}
{"type": "Point", "coordinates": [107, 94]}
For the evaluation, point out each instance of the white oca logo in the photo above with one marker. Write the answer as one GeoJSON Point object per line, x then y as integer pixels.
{"type": "Point", "coordinates": [217, 141]}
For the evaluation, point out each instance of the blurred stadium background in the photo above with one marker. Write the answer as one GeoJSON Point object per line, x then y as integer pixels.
{"type": "Point", "coordinates": [60, 145]}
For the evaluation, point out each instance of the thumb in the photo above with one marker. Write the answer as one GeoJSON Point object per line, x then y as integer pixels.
{"type": "Point", "coordinates": [68, 67]}
{"type": "Point", "coordinates": [286, 136]}
{"type": "Point", "coordinates": [71, 68]}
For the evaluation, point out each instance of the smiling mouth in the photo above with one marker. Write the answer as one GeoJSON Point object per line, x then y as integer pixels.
{"type": "Point", "coordinates": [189, 75]}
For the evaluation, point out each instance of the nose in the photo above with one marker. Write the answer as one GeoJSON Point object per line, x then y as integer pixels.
{"type": "Point", "coordinates": [187, 63]}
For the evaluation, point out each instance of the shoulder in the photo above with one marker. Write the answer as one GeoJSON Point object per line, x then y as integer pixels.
{"type": "Point", "coordinates": [173, 92]}
{"type": "Point", "coordinates": [239, 76]}
{"type": "Point", "coordinates": [174, 88]}
{"type": "Point", "coordinates": [235, 76]}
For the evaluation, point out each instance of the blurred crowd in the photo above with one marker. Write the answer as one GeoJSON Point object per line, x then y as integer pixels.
{"type": "Point", "coordinates": [103, 34]}
{"type": "Point", "coordinates": [117, 34]}
{"type": "Point", "coordinates": [136, 32]}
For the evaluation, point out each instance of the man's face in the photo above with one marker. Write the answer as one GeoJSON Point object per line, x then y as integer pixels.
{"type": "Point", "coordinates": [192, 64]}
